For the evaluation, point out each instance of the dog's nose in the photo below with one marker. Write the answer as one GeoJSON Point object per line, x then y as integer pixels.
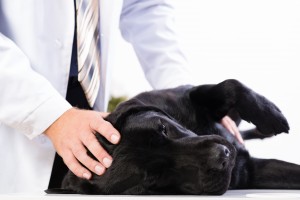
{"type": "Point", "coordinates": [219, 157]}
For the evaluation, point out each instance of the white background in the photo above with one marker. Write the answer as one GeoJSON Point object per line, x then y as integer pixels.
{"type": "Point", "coordinates": [257, 42]}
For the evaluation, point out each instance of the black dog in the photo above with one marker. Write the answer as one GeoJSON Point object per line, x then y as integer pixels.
{"type": "Point", "coordinates": [172, 143]}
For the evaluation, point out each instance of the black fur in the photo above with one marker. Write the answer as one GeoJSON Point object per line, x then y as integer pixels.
{"type": "Point", "coordinates": [172, 143]}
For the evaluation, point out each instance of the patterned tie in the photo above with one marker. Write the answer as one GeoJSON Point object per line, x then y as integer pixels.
{"type": "Point", "coordinates": [88, 47]}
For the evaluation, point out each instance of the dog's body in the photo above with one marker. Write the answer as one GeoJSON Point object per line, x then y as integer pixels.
{"type": "Point", "coordinates": [172, 143]}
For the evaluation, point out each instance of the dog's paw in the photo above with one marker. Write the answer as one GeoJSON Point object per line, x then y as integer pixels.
{"type": "Point", "coordinates": [273, 124]}
{"type": "Point", "coordinates": [267, 117]}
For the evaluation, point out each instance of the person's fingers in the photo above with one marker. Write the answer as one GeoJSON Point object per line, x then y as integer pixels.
{"type": "Point", "coordinates": [106, 129]}
{"type": "Point", "coordinates": [237, 133]}
{"type": "Point", "coordinates": [75, 167]}
{"type": "Point", "coordinates": [230, 125]}
{"type": "Point", "coordinates": [226, 123]}
{"type": "Point", "coordinates": [81, 155]}
{"type": "Point", "coordinates": [97, 150]}
{"type": "Point", "coordinates": [235, 130]}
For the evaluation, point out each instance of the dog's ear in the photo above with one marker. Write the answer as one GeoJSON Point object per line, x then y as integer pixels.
{"type": "Point", "coordinates": [118, 117]}
{"type": "Point", "coordinates": [122, 110]}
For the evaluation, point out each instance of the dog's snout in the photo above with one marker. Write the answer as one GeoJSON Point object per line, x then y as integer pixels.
{"type": "Point", "coordinates": [219, 157]}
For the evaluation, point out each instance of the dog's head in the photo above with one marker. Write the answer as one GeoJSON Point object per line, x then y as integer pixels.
{"type": "Point", "coordinates": [158, 155]}
{"type": "Point", "coordinates": [169, 158]}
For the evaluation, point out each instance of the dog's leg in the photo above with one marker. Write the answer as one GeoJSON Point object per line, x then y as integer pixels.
{"type": "Point", "coordinates": [273, 174]}
{"type": "Point", "coordinates": [218, 100]}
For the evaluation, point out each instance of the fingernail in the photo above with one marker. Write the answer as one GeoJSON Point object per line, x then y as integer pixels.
{"type": "Point", "coordinates": [107, 162]}
{"type": "Point", "coordinates": [99, 169]}
{"type": "Point", "coordinates": [86, 175]}
{"type": "Point", "coordinates": [115, 138]}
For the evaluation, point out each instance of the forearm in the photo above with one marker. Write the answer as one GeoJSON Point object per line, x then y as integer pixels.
{"type": "Point", "coordinates": [149, 27]}
{"type": "Point", "coordinates": [28, 101]}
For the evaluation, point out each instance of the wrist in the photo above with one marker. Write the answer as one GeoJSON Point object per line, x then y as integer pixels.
{"type": "Point", "coordinates": [58, 123]}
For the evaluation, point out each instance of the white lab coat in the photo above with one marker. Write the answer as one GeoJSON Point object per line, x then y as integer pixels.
{"type": "Point", "coordinates": [35, 51]}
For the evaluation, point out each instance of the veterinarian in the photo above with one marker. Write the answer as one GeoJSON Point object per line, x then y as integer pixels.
{"type": "Point", "coordinates": [39, 70]}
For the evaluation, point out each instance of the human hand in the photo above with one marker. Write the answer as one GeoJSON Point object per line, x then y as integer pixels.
{"type": "Point", "coordinates": [74, 132]}
{"type": "Point", "coordinates": [230, 125]}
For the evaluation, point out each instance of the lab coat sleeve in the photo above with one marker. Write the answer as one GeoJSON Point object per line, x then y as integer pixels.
{"type": "Point", "coordinates": [149, 26]}
{"type": "Point", "coordinates": [28, 101]}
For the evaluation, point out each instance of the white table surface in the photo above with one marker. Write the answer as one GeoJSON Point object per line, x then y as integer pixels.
{"type": "Point", "coordinates": [232, 194]}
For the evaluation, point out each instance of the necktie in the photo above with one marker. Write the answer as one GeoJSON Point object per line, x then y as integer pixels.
{"type": "Point", "coordinates": [88, 48]}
